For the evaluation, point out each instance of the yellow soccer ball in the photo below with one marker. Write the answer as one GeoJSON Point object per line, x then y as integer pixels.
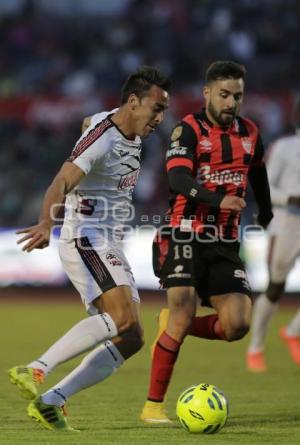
{"type": "Point", "coordinates": [202, 409]}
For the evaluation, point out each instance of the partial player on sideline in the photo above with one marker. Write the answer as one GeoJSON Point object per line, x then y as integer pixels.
{"type": "Point", "coordinates": [284, 172]}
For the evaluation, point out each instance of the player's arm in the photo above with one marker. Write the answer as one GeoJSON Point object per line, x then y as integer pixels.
{"type": "Point", "coordinates": [37, 237]}
{"type": "Point", "coordinates": [179, 163]}
{"type": "Point", "coordinates": [259, 182]}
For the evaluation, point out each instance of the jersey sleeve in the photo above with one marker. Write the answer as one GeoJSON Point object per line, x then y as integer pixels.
{"type": "Point", "coordinates": [92, 146]}
{"type": "Point", "coordinates": [182, 147]}
{"type": "Point", "coordinates": [275, 167]}
{"type": "Point", "coordinates": [258, 151]}
{"type": "Point", "coordinates": [96, 118]}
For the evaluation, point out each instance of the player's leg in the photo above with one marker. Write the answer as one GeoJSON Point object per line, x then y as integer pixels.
{"type": "Point", "coordinates": [291, 333]}
{"type": "Point", "coordinates": [173, 260]}
{"type": "Point", "coordinates": [207, 326]}
{"type": "Point", "coordinates": [291, 336]}
{"type": "Point", "coordinates": [90, 272]}
{"type": "Point", "coordinates": [101, 362]}
{"type": "Point", "coordinates": [225, 287]}
{"type": "Point", "coordinates": [265, 305]}
{"type": "Point", "coordinates": [283, 252]}
{"type": "Point", "coordinates": [121, 304]}
{"type": "Point", "coordinates": [234, 312]}
{"type": "Point", "coordinates": [182, 306]}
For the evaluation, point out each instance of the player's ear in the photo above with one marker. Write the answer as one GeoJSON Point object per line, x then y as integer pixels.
{"type": "Point", "coordinates": [206, 92]}
{"type": "Point", "coordinates": [133, 101]}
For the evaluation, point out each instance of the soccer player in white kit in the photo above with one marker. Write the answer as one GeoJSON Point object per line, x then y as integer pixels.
{"type": "Point", "coordinates": [97, 181]}
{"type": "Point", "coordinates": [284, 178]}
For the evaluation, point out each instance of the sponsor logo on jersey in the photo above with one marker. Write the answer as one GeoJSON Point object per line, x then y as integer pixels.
{"type": "Point", "coordinates": [247, 145]}
{"type": "Point", "coordinates": [205, 143]}
{"type": "Point", "coordinates": [113, 259]}
{"type": "Point", "coordinates": [219, 177]}
{"type": "Point", "coordinates": [239, 273]}
{"type": "Point", "coordinates": [128, 180]}
{"type": "Point", "coordinates": [178, 151]}
{"type": "Point", "coordinates": [178, 268]}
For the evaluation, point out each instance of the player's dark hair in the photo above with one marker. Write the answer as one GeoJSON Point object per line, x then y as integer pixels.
{"type": "Point", "coordinates": [224, 69]}
{"type": "Point", "coordinates": [140, 82]}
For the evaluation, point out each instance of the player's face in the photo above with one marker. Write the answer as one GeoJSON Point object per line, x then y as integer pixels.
{"type": "Point", "coordinates": [223, 99]}
{"type": "Point", "coordinates": [149, 111]}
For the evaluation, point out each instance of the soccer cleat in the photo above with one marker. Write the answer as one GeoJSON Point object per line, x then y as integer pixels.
{"type": "Point", "coordinates": [51, 417]}
{"type": "Point", "coordinates": [154, 412]}
{"type": "Point", "coordinates": [26, 379]}
{"type": "Point", "coordinates": [293, 344]}
{"type": "Point", "coordinates": [256, 362]}
{"type": "Point", "coordinates": [163, 319]}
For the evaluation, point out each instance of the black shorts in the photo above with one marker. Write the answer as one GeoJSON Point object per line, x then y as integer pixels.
{"type": "Point", "coordinates": [213, 268]}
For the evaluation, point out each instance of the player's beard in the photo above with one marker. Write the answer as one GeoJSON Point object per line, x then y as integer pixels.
{"type": "Point", "coordinates": [223, 119]}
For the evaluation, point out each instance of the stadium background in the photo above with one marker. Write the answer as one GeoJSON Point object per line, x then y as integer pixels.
{"type": "Point", "coordinates": [62, 60]}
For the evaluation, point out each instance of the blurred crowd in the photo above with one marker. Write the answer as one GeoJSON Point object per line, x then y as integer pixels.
{"type": "Point", "coordinates": [82, 50]}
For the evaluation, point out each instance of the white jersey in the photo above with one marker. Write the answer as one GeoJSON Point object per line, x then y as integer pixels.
{"type": "Point", "coordinates": [283, 167]}
{"type": "Point", "coordinates": [111, 163]}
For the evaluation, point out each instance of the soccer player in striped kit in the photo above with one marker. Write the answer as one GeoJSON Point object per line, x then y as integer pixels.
{"type": "Point", "coordinates": [97, 181]}
{"type": "Point", "coordinates": [284, 173]}
{"type": "Point", "coordinates": [211, 157]}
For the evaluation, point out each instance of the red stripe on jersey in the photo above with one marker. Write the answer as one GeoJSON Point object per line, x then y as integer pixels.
{"type": "Point", "coordinates": [90, 138]}
{"type": "Point", "coordinates": [179, 162]}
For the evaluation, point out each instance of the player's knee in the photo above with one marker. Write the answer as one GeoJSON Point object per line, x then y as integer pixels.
{"type": "Point", "coordinates": [125, 321]}
{"type": "Point", "coordinates": [236, 331]}
{"type": "Point", "coordinates": [275, 291]}
{"type": "Point", "coordinates": [135, 340]}
{"type": "Point", "coordinates": [138, 341]}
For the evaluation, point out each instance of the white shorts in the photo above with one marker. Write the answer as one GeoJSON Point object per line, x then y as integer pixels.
{"type": "Point", "coordinates": [94, 266]}
{"type": "Point", "coordinates": [286, 249]}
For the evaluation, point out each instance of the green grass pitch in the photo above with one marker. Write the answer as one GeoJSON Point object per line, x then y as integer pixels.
{"type": "Point", "coordinates": [264, 409]}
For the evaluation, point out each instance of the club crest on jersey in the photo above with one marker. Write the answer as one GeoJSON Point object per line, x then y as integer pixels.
{"type": "Point", "coordinates": [247, 145]}
{"type": "Point", "coordinates": [129, 179]}
{"type": "Point", "coordinates": [113, 259]}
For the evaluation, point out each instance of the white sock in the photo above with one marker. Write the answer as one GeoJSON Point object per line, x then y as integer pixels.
{"type": "Point", "coordinates": [262, 313]}
{"type": "Point", "coordinates": [83, 336]}
{"type": "Point", "coordinates": [95, 367]}
{"type": "Point", "coordinates": [293, 328]}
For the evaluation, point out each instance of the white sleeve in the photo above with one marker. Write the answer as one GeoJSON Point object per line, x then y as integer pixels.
{"type": "Point", "coordinates": [275, 166]}
{"type": "Point", "coordinates": [96, 118]}
{"type": "Point", "coordinates": [90, 149]}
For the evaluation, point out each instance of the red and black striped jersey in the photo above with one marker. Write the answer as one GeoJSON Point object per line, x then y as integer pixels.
{"type": "Point", "coordinates": [219, 160]}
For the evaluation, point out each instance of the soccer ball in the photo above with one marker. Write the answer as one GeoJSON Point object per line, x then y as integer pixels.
{"type": "Point", "coordinates": [202, 409]}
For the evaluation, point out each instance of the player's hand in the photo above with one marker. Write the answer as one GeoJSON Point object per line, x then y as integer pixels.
{"type": "Point", "coordinates": [86, 123]}
{"type": "Point", "coordinates": [232, 203]}
{"type": "Point", "coordinates": [37, 237]}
